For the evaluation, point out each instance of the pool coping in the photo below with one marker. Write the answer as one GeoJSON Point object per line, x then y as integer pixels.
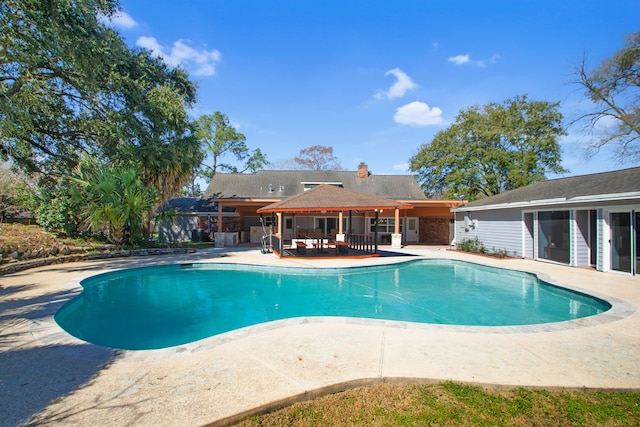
{"type": "Point", "coordinates": [385, 362]}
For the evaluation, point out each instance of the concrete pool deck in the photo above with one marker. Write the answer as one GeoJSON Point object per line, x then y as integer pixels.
{"type": "Point", "coordinates": [50, 377]}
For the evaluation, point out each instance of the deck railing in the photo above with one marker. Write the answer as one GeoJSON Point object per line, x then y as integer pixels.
{"type": "Point", "coordinates": [277, 244]}
{"type": "Point", "coordinates": [360, 242]}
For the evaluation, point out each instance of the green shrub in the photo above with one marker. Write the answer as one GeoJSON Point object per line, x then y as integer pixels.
{"type": "Point", "coordinates": [477, 247]}
{"type": "Point", "coordinates": [472, 245]}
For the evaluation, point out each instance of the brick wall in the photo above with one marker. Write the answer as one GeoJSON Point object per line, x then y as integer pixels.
{"type": "Point", "coordinates": [434, 230]}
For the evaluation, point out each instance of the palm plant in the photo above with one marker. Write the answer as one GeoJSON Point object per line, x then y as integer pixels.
{"type": "Point", "coordinates": [116, 202]}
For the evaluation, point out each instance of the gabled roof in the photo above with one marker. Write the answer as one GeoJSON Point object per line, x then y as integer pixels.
{"type": "Point", "coordinates": [616, 185]}
{"type": "Point", "coordinates": [271, 184]}
{"type": "Point", "coordinates": [331, 198]}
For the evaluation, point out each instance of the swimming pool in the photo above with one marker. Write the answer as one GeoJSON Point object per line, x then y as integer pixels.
{"type": "Point", "coordinates": [163, 306]}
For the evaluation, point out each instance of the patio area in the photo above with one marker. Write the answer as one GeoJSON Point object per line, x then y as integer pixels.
{"type": "Point", "coordinates": [49, 377]}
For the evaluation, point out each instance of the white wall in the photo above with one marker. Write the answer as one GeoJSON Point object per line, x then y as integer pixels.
{"type": "Point", "coordinates": [496, 230]}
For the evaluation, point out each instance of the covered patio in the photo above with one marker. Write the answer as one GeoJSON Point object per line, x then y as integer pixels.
{"type": "Point", "coordinates": [341, 242]}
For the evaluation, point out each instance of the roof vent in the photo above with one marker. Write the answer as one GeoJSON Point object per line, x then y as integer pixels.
{"type": "Point", "coordinates": [281, 188]}
{"type": "Point", "coordinates": [270, 188]}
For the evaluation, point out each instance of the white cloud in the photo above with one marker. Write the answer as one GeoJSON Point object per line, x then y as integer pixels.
{"type": "Point", "coordinates": [401, 167]}
{"type": "Point", "coordinates": [150, 43]}
{"type": "Point", "coordinates": [418, 114]}
{"type": "Point", "coordinates": [460, 59]}
{"type": "Point", "coordinates": [606, 123]}
{"type": "Point", "coordinates": [399, 88]}
{"type": "Point", "coordinates": [466, 59]}
{"type": "Point", "coordinates": [123, 20]}
{"type": "Point", "coordinates": [119, 19]}
{"type": "Point", "coordinates": [200, 61]}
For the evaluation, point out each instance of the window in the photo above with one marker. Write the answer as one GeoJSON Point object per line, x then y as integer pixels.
{"type": "Point", "coordinates": [308, 185]}
{"type": "Point", "coordinates": [270, 221]}
{"type": "Point", "coordinates": [385, 225]}
{"type": "Point", "coordinates": [327, 225]}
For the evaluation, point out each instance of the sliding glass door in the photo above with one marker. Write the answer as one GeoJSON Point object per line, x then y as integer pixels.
{"type": "Point", "coordinates": [625, 242]}
{"type": "Point", "coordinates": [636, 235]}
{"type": "Point", "coordinates": [553, 236]}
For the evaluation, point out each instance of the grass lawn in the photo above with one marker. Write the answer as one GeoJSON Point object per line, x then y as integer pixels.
{"type": "Point", "coordinates": [456, 404]}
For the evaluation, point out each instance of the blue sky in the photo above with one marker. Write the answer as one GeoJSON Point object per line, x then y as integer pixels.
{"type": "Point", "coordinates": [377, 79]}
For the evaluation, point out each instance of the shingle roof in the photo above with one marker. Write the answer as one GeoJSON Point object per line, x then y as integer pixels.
{"type": "Point", "coordinates": [267, 184]}
{"type": "Point", "coordinates": [332, 198]}
{"type": "Point", "coordinates": [191, 204]}
{"type": "Point", "coordinates": [181, 204]}
{"type": "Point", "coordinates": [583, 187]}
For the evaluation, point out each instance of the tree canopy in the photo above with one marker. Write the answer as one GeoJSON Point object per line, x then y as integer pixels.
{"type": "Point", "coordinates": [318, 158]}
{"type": "Point", "coordinates": [614, 88]}
{"type": "Point", "coordinates": [70, 87]}
{"type": "Point", "coordinates": [490, 149]}
{"type": "Point", "coordinates": [220, 139]}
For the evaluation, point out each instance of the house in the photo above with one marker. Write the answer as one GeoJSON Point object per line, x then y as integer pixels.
{"type": "Point", "coordinates": [582, 221]}
{"type": "Point", "coordinates": [241, 195]}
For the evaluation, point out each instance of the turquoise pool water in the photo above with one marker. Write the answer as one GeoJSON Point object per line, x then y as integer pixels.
{"type": "Point", "coordinates": [163, 306]}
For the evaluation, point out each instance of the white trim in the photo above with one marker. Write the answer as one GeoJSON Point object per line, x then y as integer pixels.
{"type": "Point", "coordinates": [573, 238]}
{"type": "Point", "coordinates": [552, 202]}
{"type": "Point", "coordinates": [608, 256]}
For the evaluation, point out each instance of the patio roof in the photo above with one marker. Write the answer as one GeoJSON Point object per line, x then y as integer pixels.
{"type": "Point", "coordinates": [331, 198]}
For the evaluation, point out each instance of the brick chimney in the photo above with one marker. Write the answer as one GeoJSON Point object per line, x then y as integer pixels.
{"type": "Point", "coordinates": [363, 170]}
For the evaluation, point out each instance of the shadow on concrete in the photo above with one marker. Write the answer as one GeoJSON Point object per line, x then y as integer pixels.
{"type": "Point", "coordinates": [13, 305]}
{"type": "Point", "coordinates": [33, 378]}
{"type": "Point", "coordinates": [386, 253]}
{"type": "Point", "coordinates": [37, 366]}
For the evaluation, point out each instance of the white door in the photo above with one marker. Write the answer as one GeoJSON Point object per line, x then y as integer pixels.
{"type": "Point", "coordinates": [411, 230]}
{"type": "Point", "coordinates": [287, 227]}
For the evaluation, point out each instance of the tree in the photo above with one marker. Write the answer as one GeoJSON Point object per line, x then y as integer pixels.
{"type": "Point", "coordinates": [152, 131]}
{"type": "Point", "coordinates": [71, 88]}
{"type": "Point", "coordinates": [14, 192]}
{"type": "Point", "coordinates": [54, 61]}
{"type": "Point", "coordinates": [318, 158]}
{"type": "Point", "coordinates": [614, 88]}
{"type": "Point", "coordinates": [116, 202]}
{"type": "Point", "coordinates": [192, 188]}
{"type": "Point", "coordinates": [491, 149]}
{"type": "Point", "coordinates": [221, 139]}
{"type": "Point", "coordinates": [56, 210]}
